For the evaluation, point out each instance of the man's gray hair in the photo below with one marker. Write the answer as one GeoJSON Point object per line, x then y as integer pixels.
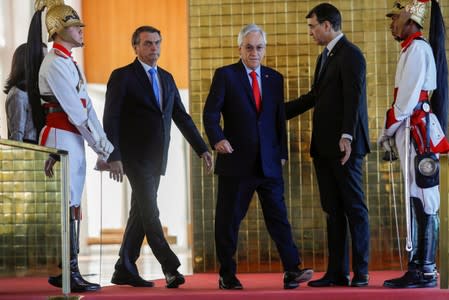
{"type": "Point", "coordinates": [250, 28]}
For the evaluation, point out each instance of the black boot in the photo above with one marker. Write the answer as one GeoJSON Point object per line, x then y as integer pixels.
{"type": "Point", "coordinates": [77, 282]}
{"type": "Point", "coordinates": [429, 245]}
{"type": "Point", "coordinates": [417, 219]}
{"type": "Point", "coordinates": [413, 277]}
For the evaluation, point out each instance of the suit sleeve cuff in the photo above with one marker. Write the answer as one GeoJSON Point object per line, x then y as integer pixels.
{"type": "Point", "coordinates": [346, 136]}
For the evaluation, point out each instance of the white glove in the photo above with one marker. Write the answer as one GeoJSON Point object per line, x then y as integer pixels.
{"type": "Point", "coordinates": [387, 142]}
{"type": "Point", "coordinates": [95, 137]}
{"type": "Point", "coordinates": [386, 145]}
{"type": "Point", "coordinates": [106, 145]}
{"type": "Point", "coordinates": [103, 147]}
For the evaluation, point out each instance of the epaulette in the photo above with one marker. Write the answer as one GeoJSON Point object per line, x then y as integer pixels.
{"type": "Point", "coordinates": [60, 53]}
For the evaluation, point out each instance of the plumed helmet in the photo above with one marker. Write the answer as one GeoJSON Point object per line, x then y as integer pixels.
{"type": "Point", "coordinates": [59, 17]}
{"type": "Point", "coordinates": [416, 8]}
{"type": "Point", "coordinates": [39, 5]}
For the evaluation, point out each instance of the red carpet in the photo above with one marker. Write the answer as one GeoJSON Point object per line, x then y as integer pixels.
{"type": "Point", "coordinates": [267, 286]}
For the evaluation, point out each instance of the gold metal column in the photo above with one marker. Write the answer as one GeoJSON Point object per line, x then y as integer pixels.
{"type": "Point", "coordinates": [65, 215]}
{"type": "Point", "coordinates": [34, 212]}
{"type": "Point", "coordinates": [444, 222]}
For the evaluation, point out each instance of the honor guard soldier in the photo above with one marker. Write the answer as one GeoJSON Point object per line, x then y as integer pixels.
{"type": "Point", "coordinates": [69, 115]}
{"type": "Point", "coordinates": [413, 127]}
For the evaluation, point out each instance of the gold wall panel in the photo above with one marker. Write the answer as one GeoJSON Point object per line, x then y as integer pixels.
{"type": "Point", "coordinates": [213, 29]}
{"type": "Point", "coordinates": [30, 214]}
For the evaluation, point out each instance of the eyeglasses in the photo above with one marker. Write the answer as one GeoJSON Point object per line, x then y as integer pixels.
{"type": "Point", "coordinates": [250, 48]}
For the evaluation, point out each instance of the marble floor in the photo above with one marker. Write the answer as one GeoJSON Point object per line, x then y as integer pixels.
{"type": "Point", "coordinates": [99, 268]}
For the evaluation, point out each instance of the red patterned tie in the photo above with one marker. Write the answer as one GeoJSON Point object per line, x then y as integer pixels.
{"type": "Point", "coordinates": [256, 90]}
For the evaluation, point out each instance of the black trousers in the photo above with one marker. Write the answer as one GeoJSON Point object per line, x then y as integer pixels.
{"type": "Point", "coordinates": [143, 221]}
{"type": "Point", "coordinates": [342, 199]}
{"type": "Point", "coordinates": [234, 196]}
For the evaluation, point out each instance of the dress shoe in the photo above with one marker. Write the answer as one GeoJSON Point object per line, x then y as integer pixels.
{"type": "Point", "coordinates": [360, 280]}
{"type": "Point", "coordinates": [329, 281]}
{"type": "Point", "coordinates": [292, 279]}
{"type": "Point", "coordinates": [412, 279]}
{"type": "Point", "coordinates": [229, 283]}
{"type": "Point", "coordinates": [77, 283]}
{"type": "Point", "coordinates": [174, 279]}
{"type": "Point", "coordinates": [122, 278]}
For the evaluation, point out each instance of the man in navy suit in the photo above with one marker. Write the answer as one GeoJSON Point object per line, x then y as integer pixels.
{"type": "Point", "coordinates": [252, 148]}
{"type": "Point", "coordinates": [141, 101]}
{"type": "Point", "coordinates": [339, 143]}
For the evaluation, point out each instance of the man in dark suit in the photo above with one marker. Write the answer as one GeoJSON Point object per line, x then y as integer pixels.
{"type": "Point", "coordinates": [141, 101]}
{"type": "Point", "coordinates": [339, 143]}
{"type": "Point", "coordinates": [251, 148]}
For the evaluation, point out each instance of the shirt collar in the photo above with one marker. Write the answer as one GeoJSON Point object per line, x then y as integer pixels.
{"type": "Point", "coordinates": [62, 49]}
{"type": "Point", "coordinates": [408, 41]}
{"type": "Point", "coordinates": [249, 70]}
{"type": "Point", "coordinates": [332, 43]}
{"type": "Point", "coordinates": [147, 67]}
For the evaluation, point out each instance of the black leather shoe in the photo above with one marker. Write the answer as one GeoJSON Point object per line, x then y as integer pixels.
{"type": "Point", "coordinates": [174, 279]}
{"type": "Point", "coordinates": [229, 283]}
{"type": "Point", "coordinates": [77, 283]}
{"type": "Point", "coordinates": [292, 279]}
{"type": "Point", "coordinates": [329, 281]}
{"type": "Point", "coordinates": [411, 279]}
{"type": "Point", "coordinates": [122, 278]}
{"type": "Point", "coordinates": [360, 280]}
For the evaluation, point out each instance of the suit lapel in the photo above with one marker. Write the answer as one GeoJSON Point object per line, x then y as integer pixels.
{"type": "Point", "coordinates": [246, 84]}
{"type": "Point", "coordinates": [266, 81]}
{"type": "Point", "coordinates": [245, 81]}
{"type": "Point", "coordinates": [144, 80]}
{"type": "Point", "coordinates": [330, 57]}
{"type": "Point", "coordinates": [164, 86]}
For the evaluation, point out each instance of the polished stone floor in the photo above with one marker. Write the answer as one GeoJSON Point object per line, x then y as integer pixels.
{"type": "Point", "coordinates": [99, 268]}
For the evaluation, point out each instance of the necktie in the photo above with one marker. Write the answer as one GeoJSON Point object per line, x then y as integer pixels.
{"type": "Point", "coordinates": [323, 59]}
{"type": "Point", "coordinates": [256, 91]}
{"type": "Point", "coordinates": [153, 74]}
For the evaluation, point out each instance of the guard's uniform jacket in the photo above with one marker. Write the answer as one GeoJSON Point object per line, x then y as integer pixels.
{"type": "Point", "coordinates": [411, 92]}
{"type": "Point", "coordinates": [70, 116]}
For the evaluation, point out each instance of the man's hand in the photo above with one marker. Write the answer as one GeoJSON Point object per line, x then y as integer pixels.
{"type": "Point", "coordinates": [283, 160]}
{"type": "Point", "coordinates": [208, 161]}
{"type": "Point", "coordinates": [345, 146]}
{"type": "Point", "coordinates": [48, 168]}
{"type": "Point", "coordinates": [223, 147]}
{"type": "Point", "coordinates": [101, 165]}
{"type": "Point", "coordinates": [116, 170]}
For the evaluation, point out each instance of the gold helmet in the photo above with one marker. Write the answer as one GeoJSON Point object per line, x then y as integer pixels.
{"type": "Point", "coordinates": [59, 16]}
{"type": "Point", "coordinates": [416, 8]}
